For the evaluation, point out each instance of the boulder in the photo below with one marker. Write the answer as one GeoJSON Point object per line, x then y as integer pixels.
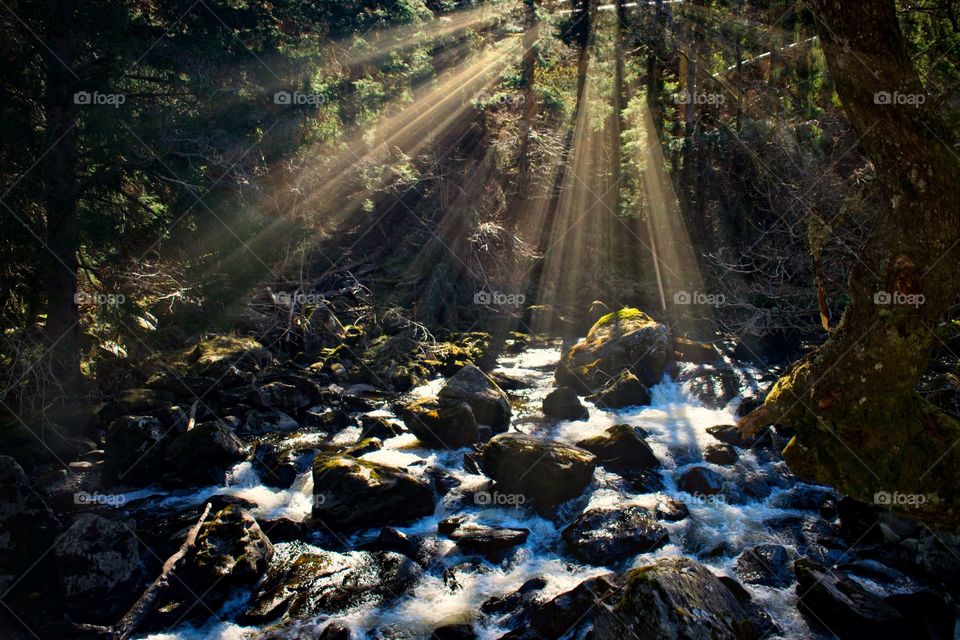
{"type": "Point", "coordinates": [99, 565]}
{"type": "Point", "coordinates": [365, 446]}
{"type": "Point", "coordinates": [564, 404]}
{"type": "Point", "coordinates": [275, 465]}
{"type": "Point", "coordinates": [414, 547]}
{"type": "Point", "coordinates": [231, 550]}
{"type": "Point", "coordinates": [27, 524]}
{"type": "Point", "coordinates": [627, 339]}
{"type": "Point", "coordinates": [449, 426]}
{"type": "Point", "coordinates": [379, 427]}
{"type": "Point", "coordinates": [141, 401]}
{"type": "Point", "coordinates": [713, 386]}
{"type": "Point", "coordinates": [622, 449]}
{"type": "Point", "coordinates": [700, 481]}
{"type": "Point", "coordinates": [306, 585]}
{"type": "Point", "coordinates": [606, 536]}
{"type": "Point", "coordinates": [722, 454]}
{"type": "Point", "coordinates": [769, 565]}
{"type": "Point", "coordinates": [204, 453]}
{"type": "Point", "coordinates": [134, 449]}
{"type": "Point", "coordinates": [490, 404]}
{"type": "Point", "coordinates": [687, 350]}
{"type": "Point", "coordinates": [267, 421]}
{"type": "Point", "coordinates": [729, 434]}
{"type": "Point", "coordinates": [572, 610]}
{"type": "Point", "coordinates": [547, 472]}
{"type": "Point", "coordinates": [516, 604]}
{"type": "Point", "coordinates": [459, 631]}
{"type": "Point", "coordinates": [490, 542]}
{"type": "Point", "coordinates": [845, 607]}
{"type": "Point", "coordinates": [280, 395]}
{"type": "Point", "coordinates": [625, 390]}
{"type": "Point", "coordinates": [673, 597]}
{"type": "Point", "coordinates": [350, 493]}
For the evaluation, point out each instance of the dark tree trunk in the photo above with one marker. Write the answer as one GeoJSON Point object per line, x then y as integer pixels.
{"type": "Point", "coordinates": [860, 424]}
{"type": "Point", "coordinates": [60, 181]}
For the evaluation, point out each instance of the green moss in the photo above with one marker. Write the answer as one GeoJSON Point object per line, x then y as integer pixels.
{"type": "Point", "coordinates": [623, 315]}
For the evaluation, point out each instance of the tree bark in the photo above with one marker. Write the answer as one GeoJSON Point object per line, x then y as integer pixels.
{"type": "Point", "coordinates": [60, 181]}
{"type": "Point", "coordinates": [861, 426]}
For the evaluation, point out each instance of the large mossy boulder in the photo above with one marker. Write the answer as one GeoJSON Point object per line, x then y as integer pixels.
{"type": "Point", "coordinates": [99, 566]}
{"type": "Point", "coordinates": [27, 524]}
{"type": "Point", "coordinates": [231, 550]}
{"type": "Point", "coordinates": [674, 597]}
{"type": "Point", "coordinates": [547, 472]}
{"type": "Point", "coordinates": [351, 493]}
{"type": "Point", "coordinates": [134, 451]}
{"type": "Point", "coordinates": [204, 453]}
{"type": "Point", "coordinates": [627, 339]}
{"type": "Point", "coordinates": [306, 585]}
{"type": "Point", "coordinates": [489, 403]}
{"type": "Point", "coordinates": [625, 390]}
{"type": "Point", "coordinates": [451, 425]}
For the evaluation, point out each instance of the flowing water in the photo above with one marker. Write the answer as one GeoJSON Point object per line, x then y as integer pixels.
{"type": "Point", "coordinates": [714, 533]}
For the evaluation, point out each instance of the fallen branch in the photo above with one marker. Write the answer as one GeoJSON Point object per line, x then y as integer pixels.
{"type": "Point", "coordinates": [144, 605]}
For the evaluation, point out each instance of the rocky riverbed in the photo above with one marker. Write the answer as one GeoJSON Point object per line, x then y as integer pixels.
{"type": "Point", "coordinates": [458, 501]}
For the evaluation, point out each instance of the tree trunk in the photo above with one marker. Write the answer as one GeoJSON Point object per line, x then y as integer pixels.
{"type": "Point", "coordinates": [860, 424]}
{"type": "Point", "coordinates": [60, 181]}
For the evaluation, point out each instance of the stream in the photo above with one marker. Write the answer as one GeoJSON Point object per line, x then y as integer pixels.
{"type": "Point", "coordinates": [453, 587]}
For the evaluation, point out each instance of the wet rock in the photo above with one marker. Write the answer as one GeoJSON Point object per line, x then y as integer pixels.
{"type": "Point", "coordinates": [931, 614]}
{"type": "Point", "coordinates": [379, 427]}
{"type": "Point", "coordinates": [728, 434]}
{"type": "Point", "coordinates": [222, 355]}
{"type": "Point", "coordinates": [671, 510]}
{"type": "Point", "coordinates": [574, 609]}
{"type": "Point", "coordinates": [843, 606]}
{"type": "Point", "coordinates": [368, 445]}
{"type": "Point", "coordinates": [766, 564]}
{"type": "Point", "coordinates": [336, 631]}
{"type": "Point", "coordinates": [763, 624]}
{"type": "Point", "coordinates": [461, 631]}
{"type": "Point", "coordinates": [564, 404]}
{"type": "Point", "coordinates": [808, 498]}
{"type": "Point", "coordinates": [99, 565]}
{"type": "Point", "coordinates": [626, 339]}
{"type": "Point", "coordinates": [280, 395]}
{"type": "Point", "coordinates": [516, 605]}
{"type": "Point", "coordinates": [275, 465]}
{"type": "Point", "coordinates": [748, 404]}
{"type": "Point", "coordinates": [701, 481]}
{"type": "Point", "coordinates": [547, 472]}
{"type": "Point", "coordinates": [443, 426]}
{"type": "Point", "coordinates": [489, 403]}
{"type": "Point", "coordinates": [351, 493]}
{"type": "Point", "coordinates": [673, 598]}
{"type": "Point", "coordinates": [714, 387]}
{"type": "Point", "coordinates": [606, 536]}
{"type": "Point", "coordinates": [509, 382]}
{"type": "Point", "coordinates": [268, 421]}
{"type": "Point", "coordinates": [134, 449]}
{"type": "Point", "coordinates": [27, 525]}
{"type": "Point", "coordinates": [625, 390]}
{"type": "Point", "coordinates": [722, 454]}
{"type": "Point", "coordinates": [687, 350]}
{"type": "Point", "coordinates": [414, 547]}
{"type": "Point", "coordinates": [622, 449]}
{"type": "Point", "coordinates": [490, 542]}
{"type": "Point", "coordinates": [204, 453]}
{"type": "Point", "coordinates": [325, 583]}
{"type": "Point", "coordinates": [231, 550]}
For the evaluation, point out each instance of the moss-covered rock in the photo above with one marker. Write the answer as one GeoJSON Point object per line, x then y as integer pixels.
{"type": "Point", "coordinates": [564, 404]}
{"type": "Point", "coordinates": [622, 449]}
{"type": "Point", "coordinates": [351, 494]}
{"type": "Point", "coordinates": [451, 426]}
{"type": "Point", "coordinates": [490, 404]}
{"type": "Point", "coordinates": [674, 597]}
{"type": "Point", "coordinates": [625, 390]}
{"type": "Point", "coordinates": [627, 339]}
{"type": "Point", "coordinates": [606, 536]}
{"type": "Point", "coordinates": [547, 472]}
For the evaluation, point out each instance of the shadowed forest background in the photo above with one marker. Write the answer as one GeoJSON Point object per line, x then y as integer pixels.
{"type": "Point", "coordinates": [233, 232]}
